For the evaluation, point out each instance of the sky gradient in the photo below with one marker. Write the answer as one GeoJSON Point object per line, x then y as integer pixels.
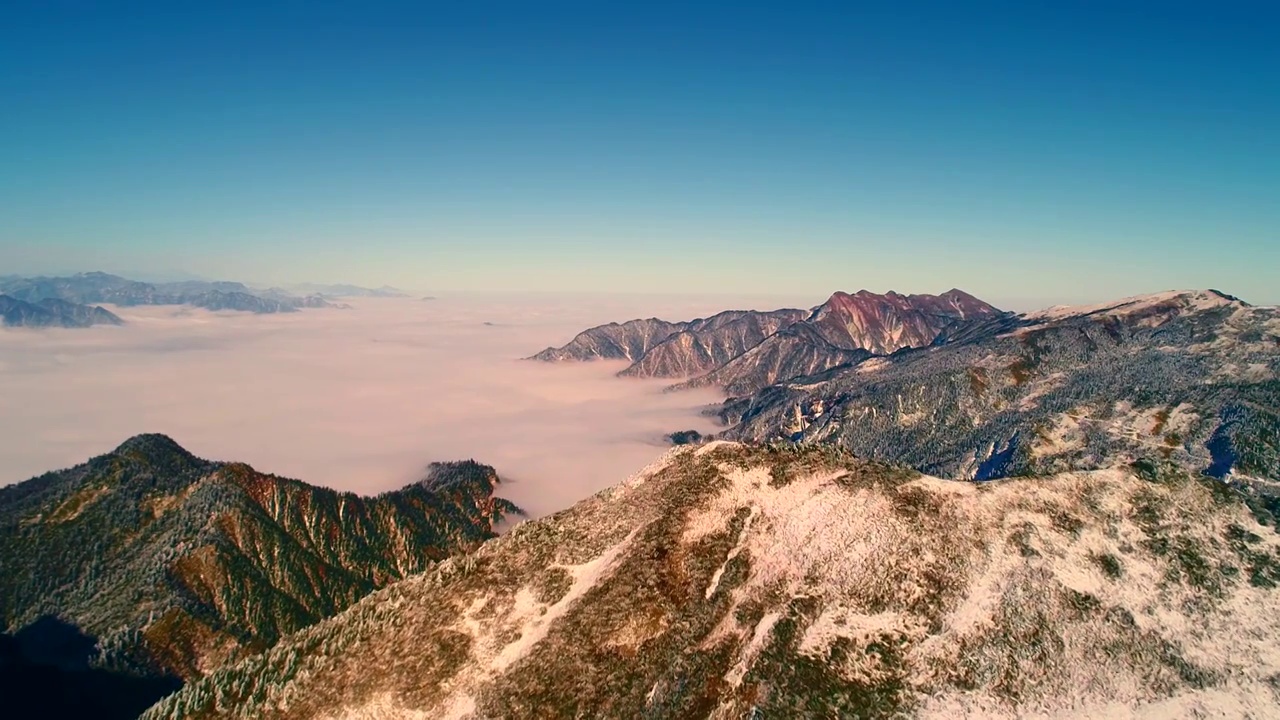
{"type": "Point", "coordinates": [1027, 154]}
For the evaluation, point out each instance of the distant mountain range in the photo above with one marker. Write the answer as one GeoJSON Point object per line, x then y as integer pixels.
{"type": "Point", "coordinates": [97, 287]}
{"type": "Point", "coordinates": [729, 581]}
{"type": "Point", "coordinates": [53, 312]}
{"type": "Point", "coordinates": [952, 386]}
{"type": "Point", "coordinates": [346, 291]}
{"type": "Point", "coordinates": [745, 350]}
{"type": "Point", "coordinates": [173, 565]}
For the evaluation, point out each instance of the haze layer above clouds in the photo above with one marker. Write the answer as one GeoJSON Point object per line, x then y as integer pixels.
{"type": "Point", "coordinates": [358, 399]}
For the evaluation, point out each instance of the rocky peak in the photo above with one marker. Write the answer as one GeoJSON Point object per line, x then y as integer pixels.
{"type": "Point", "coordinates": [953, 302]}
{"type": "Point", "coordinates": [886, 323]}
{"type": "Point", "coordinates": [967, 304]}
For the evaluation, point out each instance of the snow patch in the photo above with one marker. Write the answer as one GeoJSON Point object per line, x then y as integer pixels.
{"type": "Point", "coordinates": [384, 705]}
{"type": "Point", "coordinates": [841, 622]}
{"type": "Point", "coordinates": [1039, 389]}
{"type": "Point", "coordinates": [712, 446]}
{"type": "Point", "coordinates": [872, 365]}
{"type": "Point", "coordinates": [1064, 436]}
{"type": "Point", "coordinates": [460, 706]}
{"type": "Point", "coordinates": [711, 520]}
{"type": "Point", "coordinates": [753, 647]}
{"type": "Point", "coordinates": [941, 485]}
{"type": "Point", "coordinates": [733, 553]}
{"type": "Point", "coordinates": [647, 472]}
{"type": "Point", "coordinates": [809, 527]}
{"type": "Point", "coordinates": [537, 618]}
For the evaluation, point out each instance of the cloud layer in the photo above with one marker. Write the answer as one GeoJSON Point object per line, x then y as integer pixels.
{"type": "Point", "coordinates": [357, 400]}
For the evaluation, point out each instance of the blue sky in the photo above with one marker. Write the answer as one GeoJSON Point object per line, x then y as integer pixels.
{"type": "Point", "coordinates": [1027, 154]}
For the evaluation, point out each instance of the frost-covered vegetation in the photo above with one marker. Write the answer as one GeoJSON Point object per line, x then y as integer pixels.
{"type": "Point", "coordinates": [175, 564]}
{"type": "Point", "coordinates": [1193, 378]}
{"type": "Point", "coordinates": [727, 581]}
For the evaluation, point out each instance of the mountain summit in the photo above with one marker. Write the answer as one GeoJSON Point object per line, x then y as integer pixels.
{"type": "Point", "coordinates": [883, 324]}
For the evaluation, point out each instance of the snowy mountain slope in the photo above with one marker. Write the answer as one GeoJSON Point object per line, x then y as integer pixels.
{"type": "Point", "coordinates": [1187, 376]}
{"type": "Point", "coordinates": [736, 582]}
{"type": "Point", "coordinates": [1178, 300]}
{"type": "Point", "coordinates": [626, 341]}
{"type": "Point", "coordinates": [705, 345]}
{"type": "Point", "coordinates": [795, 351]}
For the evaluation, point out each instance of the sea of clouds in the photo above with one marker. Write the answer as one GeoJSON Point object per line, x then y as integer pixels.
{"type": "Point", "coordinates": [357, 399]}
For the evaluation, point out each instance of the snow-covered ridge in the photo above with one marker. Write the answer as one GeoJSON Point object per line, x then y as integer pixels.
{"type": "Point", "coordinates": [1192, 300]}
{"type": "Point", "coordinates": [740, 581]}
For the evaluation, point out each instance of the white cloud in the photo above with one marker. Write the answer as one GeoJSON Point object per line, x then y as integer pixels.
{"type": "Point", "coordinates": [357, 400]}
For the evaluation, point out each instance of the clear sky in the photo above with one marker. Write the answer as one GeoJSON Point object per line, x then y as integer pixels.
{"type": "Point", "coordinates": [1022, 150]}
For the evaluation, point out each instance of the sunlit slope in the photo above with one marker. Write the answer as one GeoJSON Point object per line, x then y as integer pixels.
{"type": "Point", "coordinates": [176, 564]}
{"type": "Point", "coordinates": [734, 582]}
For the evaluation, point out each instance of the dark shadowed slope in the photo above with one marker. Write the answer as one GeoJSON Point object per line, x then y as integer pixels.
{"type": "Point", "coordinates": [176, 564]}
{"type": "Point", "coordinates": [49, 670]}
{"type": "Point", "coordinates": [729, 582]}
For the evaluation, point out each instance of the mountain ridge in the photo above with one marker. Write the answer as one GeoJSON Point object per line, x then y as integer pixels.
{"type": "Point", "coordinates": [99, 287]}
{"type": "Point", "coordinates": [722, 350]}
{"type": "Point", "coordinates": [1187, 375]}
{"type": "Point", "coordinates": [175, 564]}
{"type": "Point", "coordinates": [704, 345]}
{"type": "Point", "coordinates": [727, 581]}
{"type": "Point", "coordinates": [53, 312]}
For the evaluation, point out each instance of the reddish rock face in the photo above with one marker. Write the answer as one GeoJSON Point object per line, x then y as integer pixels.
{"type": "Point", "coordinates": [743, 351]}
{"type": "Point", "coordinates": [886, 323]}
{"type": "Point", "coordinates": [178, 564]}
